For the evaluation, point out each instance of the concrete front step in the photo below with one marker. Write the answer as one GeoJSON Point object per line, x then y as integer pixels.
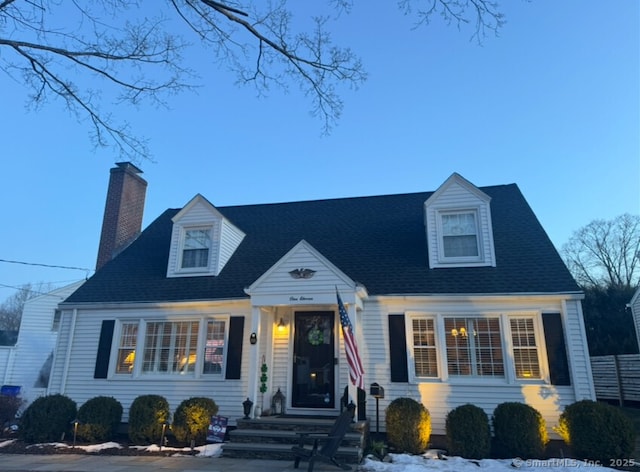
{"type": "Point", "coordinates": [273, 437]}
{"type": "Point", "coordinates": [288, 437]}
{"type": "Point", "coordinates": [259, 450]}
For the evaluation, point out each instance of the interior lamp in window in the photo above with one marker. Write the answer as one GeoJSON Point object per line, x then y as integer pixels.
{"type": "Point", "coordinates": [459, 332]}
{"type": "Point", "coordinates": [128, 361]}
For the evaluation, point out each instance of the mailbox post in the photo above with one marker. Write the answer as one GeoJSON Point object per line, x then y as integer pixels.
{"type": "Point", "coordinates": [377, 392]}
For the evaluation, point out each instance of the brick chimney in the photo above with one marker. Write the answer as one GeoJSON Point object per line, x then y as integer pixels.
{"type": "Point", "coordinates": [122, 212]}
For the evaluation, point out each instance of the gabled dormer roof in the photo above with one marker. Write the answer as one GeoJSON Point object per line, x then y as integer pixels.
{"type": "Point", "coordinates": [222, 238]}
{"type": "Point", "coordinates": [459, 183]}
{"type": "Point", "coordinates": [378, 241]}
{"type": "Point", "coordinates": [459, 200]}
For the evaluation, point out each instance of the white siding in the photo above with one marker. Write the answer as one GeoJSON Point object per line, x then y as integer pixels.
{"type": "Point", "coordinates": [76, 379]}
{"type": "Point", "coordinates": [323, 282]}
{"type": "Point", "coordinates": [438, 396]}
{"type": "Point", "coordinates": [225, 237]}
{"type": "Point", "coordinates": [456, 194]}
{"type": "Point", "coordinates": [36, 342]}
{"type": "Point", "coordinates": [635, 312]}
{"type": "Point", "coordinates": [578, 351]}
{"type": "Point", "coordinates": [230, 239]}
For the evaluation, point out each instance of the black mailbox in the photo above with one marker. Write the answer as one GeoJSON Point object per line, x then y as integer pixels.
{"type": "Point", "coordinates": [376, 391]}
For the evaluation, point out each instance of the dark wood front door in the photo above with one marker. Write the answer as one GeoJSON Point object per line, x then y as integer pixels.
{"type": "Point", "coordinates": [314, 360]}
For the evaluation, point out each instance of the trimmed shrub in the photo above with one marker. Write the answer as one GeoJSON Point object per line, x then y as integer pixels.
{"type": "Point", "coordinates": [47, 419]}
{"type": "Point", "coordinates": [146, 416]}
{"type": "Point", "coordinates": [597, 431]}
{"type": "Point", "coordinates": [519, 431]}
{"type": "Point", "coordinates": [99, 419]}
{"type": "Point", "coordinates": [468, 432]}
{"type": "Point", "coordinates": [192, 418]}
{"type": "Point", "coordinates": [408, 425]}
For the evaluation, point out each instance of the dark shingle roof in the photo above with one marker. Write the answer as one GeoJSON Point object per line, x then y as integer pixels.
{"type": "Point", "coordinates": [378, 241]}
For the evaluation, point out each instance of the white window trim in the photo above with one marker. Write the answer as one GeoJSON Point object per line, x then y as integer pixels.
{"type": "Point", "coordinates": [137, 373]}
{"type": "Point", "coordinates": [115, 347]}
{"type": "Point", "coordinates": [504, 318]}
{"type": "Point", "coordinates": [181, 243]}
{"type": "Point", "coordinates": [541, 348]}
{"type": "Point", "coordinates": [413, 377]}
{"type": "Point", "coordinates": [463, 260]}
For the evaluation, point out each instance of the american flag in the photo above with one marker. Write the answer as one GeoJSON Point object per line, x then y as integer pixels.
{"type": "Point", "coordinates": [356, 372]}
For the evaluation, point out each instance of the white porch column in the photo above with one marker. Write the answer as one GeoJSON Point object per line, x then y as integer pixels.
{"type": "Point", "coordinates": [353, 390]}
{"type": "Point", "coordinates": [254, 356]}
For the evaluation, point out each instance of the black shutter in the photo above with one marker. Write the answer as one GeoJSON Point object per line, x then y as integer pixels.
{"type": "Point", "coordinates": [398, 349]}
{"type": "Point", "coordinates": [556, 349]}
{"type": "Point", "coordinates": [234, 347]}
{"type": "Point", "coordinates": [104, 349]}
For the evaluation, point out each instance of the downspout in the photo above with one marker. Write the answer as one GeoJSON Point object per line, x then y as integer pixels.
{"type": "Point", "coordinates": [65, 372]}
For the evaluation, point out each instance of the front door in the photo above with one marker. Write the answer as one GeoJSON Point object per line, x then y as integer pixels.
{"type": "Point", "coordinates": [314, 360]}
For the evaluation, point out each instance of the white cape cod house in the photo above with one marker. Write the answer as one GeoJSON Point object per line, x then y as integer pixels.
{"type": "Point", "coordinates": [455, 296]}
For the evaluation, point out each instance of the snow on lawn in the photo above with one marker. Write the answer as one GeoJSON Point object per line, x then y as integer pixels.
{"type": "Point", "coordinates": [430, 461]}
{"type": "Point", "coordinates": [209, 450]}
{"type": "Point", "coordinates": [399, 462]}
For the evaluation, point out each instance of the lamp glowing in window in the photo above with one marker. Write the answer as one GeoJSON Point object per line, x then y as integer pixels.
{"type": "Point", "coordinates": [460, 332]}
{"type": "Point", "coordinates": [130, 358]}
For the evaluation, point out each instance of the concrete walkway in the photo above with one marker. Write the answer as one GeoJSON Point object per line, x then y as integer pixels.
{"type": "Point", "coordinates": [97, 463]}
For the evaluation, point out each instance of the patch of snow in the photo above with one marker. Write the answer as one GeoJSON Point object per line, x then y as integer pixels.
{"type": "Point", "coordinates": [434, 460]}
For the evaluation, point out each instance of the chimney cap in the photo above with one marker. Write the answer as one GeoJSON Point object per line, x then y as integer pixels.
{"type": "Point", "coordinates": [129, 166]}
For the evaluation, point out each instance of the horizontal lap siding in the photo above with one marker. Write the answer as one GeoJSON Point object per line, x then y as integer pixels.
{"type": "Point", "coordinates": [441, 397]}
{"type": "Point", "coordinates": [578, 352]}
{"type": "Point", "coordinates": [80, 384]}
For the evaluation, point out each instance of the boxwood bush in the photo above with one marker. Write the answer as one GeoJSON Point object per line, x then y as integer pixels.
{"type": "Point", "coordinates": [597, 431]}
{"type": "Point", "coordinates": [519, 431]}
{"type": "Point", "coordinates": [192, 418]}
{"type": "Point", "coordinates": [47, 419]}
{"type": "Point", "coordinates": [146, 416]}
{"type": "Point", "coordinates": [468, 432]}
{"type": "Point", "coordinates": [99, 419]}
{"type": "Point", "coordinates": [408, 425]}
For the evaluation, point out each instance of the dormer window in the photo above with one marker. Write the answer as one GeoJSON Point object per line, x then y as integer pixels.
{"type": "Point", "coordinates": [458, 225]}
{"type": "Point", "coordinates": [197, 245]}
{"type": "Point", "coordinates": [459, 235]}
{"type": "Point", "coordinates": [202, 240]}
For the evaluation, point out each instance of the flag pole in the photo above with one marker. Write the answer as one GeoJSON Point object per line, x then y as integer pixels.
{"type": "Point", "coordinates": [354, 362]}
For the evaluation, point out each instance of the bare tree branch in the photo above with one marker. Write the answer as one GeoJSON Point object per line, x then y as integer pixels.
{"type": "Point", "coordinates": [605, 253]}
{"type": "Point", "coordinates": [54, 44]}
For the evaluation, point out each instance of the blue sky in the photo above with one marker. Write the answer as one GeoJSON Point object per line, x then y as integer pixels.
{"type": "Point", "coordinates": [552, 104]}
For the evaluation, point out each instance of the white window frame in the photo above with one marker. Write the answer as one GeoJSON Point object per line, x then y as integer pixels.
{"type": "Point", "coordinates": [442, 256]}
{"type": "Point", "coordinates": [136, 371]}
{"type": "Point", "coordinates": [202, 348]}
{"type": "Point", "coordinates": [55, 322]}
{"type": "Point", "coordinates": [181, 249]}
{"type": "Point", "coordinates": [163, 354]}
{"type": "Point", "coordinates": [540, 347]}
{"type": "Point", "coordinates": [130, 348]}
{"type": "Point", "coordinates": [506, 346]}
{"type": "Point", "coordinates": [466, 328]}
{"type": "Point", "coordinates": [412, 347]}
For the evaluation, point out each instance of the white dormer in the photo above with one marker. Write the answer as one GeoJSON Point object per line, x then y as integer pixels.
{"type": "Point", "coordinates": [458, 225]}
{"type": "Point", "coordinates": [202, 240]}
